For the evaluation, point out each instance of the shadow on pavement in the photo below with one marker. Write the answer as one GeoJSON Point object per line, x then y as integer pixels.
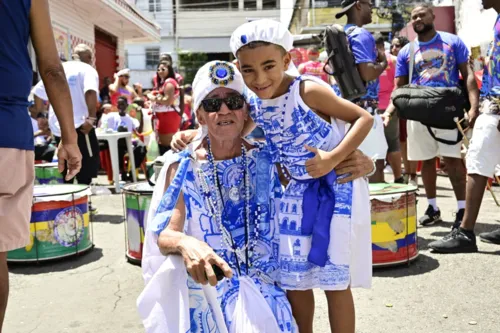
{"type": "Point", "coordinates": [423, 264]}
{"type": "Point", "coordinates": [56, 265]}
{"type": "Point", "coordinates": [105, 218]}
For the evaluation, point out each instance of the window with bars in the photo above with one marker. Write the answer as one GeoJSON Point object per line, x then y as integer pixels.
{"type": "Point", "coordinates": [154, 6]}
{"type": "Point", "coordinates": [152, 57]}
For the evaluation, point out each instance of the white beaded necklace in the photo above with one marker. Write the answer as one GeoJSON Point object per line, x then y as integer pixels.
{"type": "Point", "coordinates": [216, 207]}
{"type": "Point", "coordinates": [284, 170]}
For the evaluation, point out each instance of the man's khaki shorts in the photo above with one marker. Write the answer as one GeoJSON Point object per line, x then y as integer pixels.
{"type": "Point", "coordinates": [16, 196]}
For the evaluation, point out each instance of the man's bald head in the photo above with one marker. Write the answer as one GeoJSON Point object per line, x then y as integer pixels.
{"type": "Point", "coordinates": [83, 53]}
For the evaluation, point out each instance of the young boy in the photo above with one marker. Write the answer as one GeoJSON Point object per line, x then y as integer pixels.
{"type": "Point", "coordinates": [122, 122]}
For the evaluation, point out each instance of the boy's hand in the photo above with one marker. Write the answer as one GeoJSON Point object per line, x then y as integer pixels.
{"type": "Point", "coordinates": [321, 164]}
{"type": "Point", "coordinates": [181, 139]}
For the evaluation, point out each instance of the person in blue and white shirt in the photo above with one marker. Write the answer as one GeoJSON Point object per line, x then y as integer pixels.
{"type": "Point", "coordinates": [439, 59]}
{"type": "Point", "coordinates": [371, 63]}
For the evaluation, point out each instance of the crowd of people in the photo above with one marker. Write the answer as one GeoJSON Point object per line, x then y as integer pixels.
{"type": "Point", "coordinates": [263, 221]}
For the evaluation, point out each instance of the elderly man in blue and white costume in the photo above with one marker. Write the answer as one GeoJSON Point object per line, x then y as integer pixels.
{"type": "Point", "coordinates": [215, 221]}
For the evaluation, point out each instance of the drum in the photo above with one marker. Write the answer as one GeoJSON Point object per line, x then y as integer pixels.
{"type": "Point", "coordinates": [59, 224]}
{"type": "Point", "coordinates": [394, 224]}
{"type": "Point", "coordinates": [137, 200]}
{"type": "Point", "coordinates": [48, 173]}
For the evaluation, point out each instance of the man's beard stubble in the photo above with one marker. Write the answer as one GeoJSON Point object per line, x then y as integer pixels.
{"type": "Point", "coordinates": [426, 28]}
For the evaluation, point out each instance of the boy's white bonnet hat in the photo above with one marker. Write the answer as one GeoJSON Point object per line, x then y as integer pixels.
{"type": "Point", "coordinates": [264, 30]}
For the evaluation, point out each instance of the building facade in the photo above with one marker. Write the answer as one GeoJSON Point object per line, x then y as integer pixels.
{"type": "Point", "coordinates": [197, 27]}
{"type": "Point", "coordinates": [104, 25]}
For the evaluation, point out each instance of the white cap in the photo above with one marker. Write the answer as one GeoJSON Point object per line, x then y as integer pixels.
{"type": "Point", "coordinates": [124, 71]}
{"type": "Point", "coordinates": [264, 30]}
{"type": "Point", "coordinates": [213, 75]}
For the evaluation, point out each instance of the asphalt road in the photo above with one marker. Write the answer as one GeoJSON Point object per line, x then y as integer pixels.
{"type": "Point", "coordinates": [96, 292]}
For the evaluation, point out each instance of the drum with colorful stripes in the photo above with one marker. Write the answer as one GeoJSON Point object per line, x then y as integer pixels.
{"type": "Point", "coordinates": [137, 200]}
{"type": "Point", "coordinates": [48, 173]}
{"type": "Point", "coordinates": [394, 224]}
{"type": "Point", "coordinates": [60, 225]}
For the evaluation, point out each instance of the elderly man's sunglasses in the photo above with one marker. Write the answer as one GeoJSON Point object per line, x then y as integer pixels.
{"type": "Point", "coordinates": [233, 103]}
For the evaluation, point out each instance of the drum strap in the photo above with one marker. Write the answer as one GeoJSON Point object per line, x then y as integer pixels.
{"type": "Point", "coordinates": [169, 199]}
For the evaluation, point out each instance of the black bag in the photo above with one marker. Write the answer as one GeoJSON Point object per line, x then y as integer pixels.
{"type": "Point", "coordinates": [432, 106]}
{"type": "Point", "coordinates": [341, 62]}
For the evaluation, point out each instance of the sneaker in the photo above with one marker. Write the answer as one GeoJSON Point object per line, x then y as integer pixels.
{"type": "Point", "coordinates": [413, 182]}
{"type": "Point", "coordinates": [459, 216]}
{"type": "Point", "coordinates": [430, 217]}
{"type": "Point", "coordinates": [457, 241]}
{"type": "Point", "coordinates": [92, 210]}
{"type": "Point", "coordinates": [491, 237]}
{"type": "Point", "coordinates": [400, 180]}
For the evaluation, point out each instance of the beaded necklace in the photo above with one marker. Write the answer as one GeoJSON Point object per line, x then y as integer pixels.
{"type": "Point", "coordinates": [216, 207]}
{"type": "Point", "coordinates": [284, 170]}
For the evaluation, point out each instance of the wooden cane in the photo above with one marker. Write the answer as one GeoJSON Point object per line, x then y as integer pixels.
{"type": "Point", "coordinates": [466, 144]}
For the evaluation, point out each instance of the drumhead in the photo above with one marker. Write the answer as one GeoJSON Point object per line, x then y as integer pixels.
{"type": "Point", "coordinates": [387, 189]}
{"type": "Point", "coordinates": [46, 165]}
{"type": "Point", "coordinates": [139, 188]}
{"type": "Point", "coordinates": [60, 192]}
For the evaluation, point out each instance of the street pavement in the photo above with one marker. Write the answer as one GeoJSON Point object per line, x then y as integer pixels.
{"type": "Point", "coordinates": [96, 292]}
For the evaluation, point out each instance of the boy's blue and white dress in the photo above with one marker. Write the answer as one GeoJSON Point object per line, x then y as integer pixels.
{"type": "Point", "coordinates": [171, 301]}
{"type": "Point", "coordinates": [318, 249]}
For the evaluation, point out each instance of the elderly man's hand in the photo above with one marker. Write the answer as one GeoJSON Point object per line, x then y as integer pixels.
{"type": "Point", "coordinates": [199, 258]}
{"type": "Point", "coordinates": [356, 165]}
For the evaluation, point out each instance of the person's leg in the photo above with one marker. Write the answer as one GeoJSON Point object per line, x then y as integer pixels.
{"type": "Point", "coordinates": [394, 160]}
{"type": "Point", "coordinates": [429, 178]}
{"type": "Point", "coordinates": [476, 185]}
{"type": "Point", "coordinates": [423, 147]}
{"type": "Point", "coordinates": [90, 164]}
{"type": "Point", "coordinates": [140, 153]}
{"type": "Point", "coordinates": [341, 311]}
{"type": "Point", "coordinates": [482, 157]}
{"type": "Point", "coordinates": [15, 210]}
{"type": "Point", "coordinates": [302, 302]}
{"type": "Point", "coordinates": [378, 176]}
{"type": "Point", "coordinates": [410, 166]}
{"type": "Point", "coordinates": [122, 150]}
{"type": "Point", "coordinates": [456, 172]}
{"type": "Point", "coordinates": [394, 149]}
{"type": "Point", "coordinates": [462, 238]}
{"type": "Point", "coordinates": [4, 287]}
{"type": "Point", "coordinates": [455, 169]}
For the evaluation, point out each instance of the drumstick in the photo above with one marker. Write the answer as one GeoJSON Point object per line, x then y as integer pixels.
{"type": "Point", "coordinates": [89, 147]}
{"type": "Point", "coordinates": [466, 144]}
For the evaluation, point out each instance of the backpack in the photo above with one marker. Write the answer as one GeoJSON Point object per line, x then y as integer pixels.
{"type": "Point", "coordinates": [341, 62]}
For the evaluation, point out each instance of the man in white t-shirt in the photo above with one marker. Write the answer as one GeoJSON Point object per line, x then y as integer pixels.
{"type": "Point", "coordinates": [83, 82]}
{"type": "Point", "coordinates": [122, 122]}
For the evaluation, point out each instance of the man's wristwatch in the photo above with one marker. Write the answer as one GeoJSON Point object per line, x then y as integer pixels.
{"type": "Point", "coordinates": [374, 169]}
